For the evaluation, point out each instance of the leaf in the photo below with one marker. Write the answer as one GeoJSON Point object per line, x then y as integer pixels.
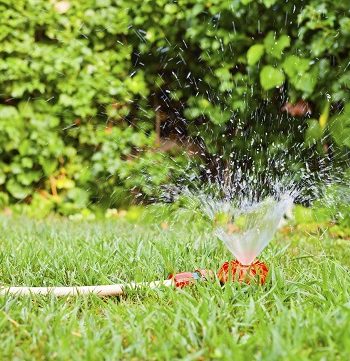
{"type": "Point", "coordinates": [62, 6]}
{"type": "Point", "coordinates": [271, 77]}
{"type": "Point", "coordinates": [219, 116]}
{"type": "Point", "coordinates": [324, 116]}
{"type": "Point", "coordinates": [254, 53]}
{"type": "Point", "coordinates": [26, 178]}
{"type": "Point", "coordinates": [65, 183]}
{"type": "Point", "coordinates": [305, 82]}
{"type": "Point", "coordinates": [339, 127]}
{"type": "Point", "coordinates": [171, 9]}
{"type": "Point", "coordinates": [269, 3]}
{"type": "Point", "coordinates": [49, 165]}
{"type": "Point", "coordinates": [8, 112]}
{"type": "Point", "coordinates": [27, 162]}
{"type": "Point", "coordinates": [223, 74]}
{"type": "Point", "coordinates": [16, 190]}
{"type": "Point", "coordinates": [297, 70]}
{"type": "Point", "coordinates": [313, 133]}
{"type": "Point", "coordinates": [294, 66]}
{"type": "Point", "coordinates": [345, 25]}
{"type": "Point", "coordinates": [275, 47]}
{"type": "Point", "coordinates": [2, 177]}
{"type": "Point", "coordinates": [79, 196]}
{"type": "Point", "coordinates": [4, 199]}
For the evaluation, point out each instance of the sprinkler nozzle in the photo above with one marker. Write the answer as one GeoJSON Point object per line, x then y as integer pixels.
{"type": "Point", "coordinates": [183, 279]}
{"type": "Point", "coordinates": [235, 271]}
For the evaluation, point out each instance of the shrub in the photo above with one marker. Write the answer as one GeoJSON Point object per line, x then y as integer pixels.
{"type": "Point", "coordinates": [84, 83]}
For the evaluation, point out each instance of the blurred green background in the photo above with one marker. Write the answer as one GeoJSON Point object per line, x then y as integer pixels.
{"type": "Point", "coordinates": [102, 102]}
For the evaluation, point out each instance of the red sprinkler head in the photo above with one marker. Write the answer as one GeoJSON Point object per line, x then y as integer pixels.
{"type": "Point", "coordinates": [184, 279]}
{"type": "Point", "coordinates": [235, 271]}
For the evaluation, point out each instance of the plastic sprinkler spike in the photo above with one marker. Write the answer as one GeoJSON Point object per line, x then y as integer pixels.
{"type": "Point", "coordinates": [235, 271]}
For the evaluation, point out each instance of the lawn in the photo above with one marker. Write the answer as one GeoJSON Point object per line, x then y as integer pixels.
{"type": "Point", "coordinates": [301, 313]}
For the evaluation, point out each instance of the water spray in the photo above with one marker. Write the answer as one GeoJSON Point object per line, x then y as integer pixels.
{"type": "Point", "coordinates": [246, 232]}
{"type": "Point", "coordinates": [243, 219]}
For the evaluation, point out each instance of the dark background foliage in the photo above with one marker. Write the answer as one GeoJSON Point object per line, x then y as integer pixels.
{"type": "Point", "coordinates": [102, 101]}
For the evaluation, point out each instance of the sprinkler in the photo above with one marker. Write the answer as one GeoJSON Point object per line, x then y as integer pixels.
{"type": "Point", "coordinates": [253, 229]}
{"type": "Point", "coordinates": [246, 228]}
{"type": "Point", "coordinates": [235, 271]}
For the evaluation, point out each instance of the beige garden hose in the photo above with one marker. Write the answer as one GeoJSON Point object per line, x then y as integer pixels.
{"type": "Point", "coordinates": [178, 280]}
{"type": "Point", "coordinates": [99, 290]}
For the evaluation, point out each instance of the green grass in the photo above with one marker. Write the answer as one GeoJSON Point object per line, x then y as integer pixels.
{"type": "Point", "coordinates": [302, 313]}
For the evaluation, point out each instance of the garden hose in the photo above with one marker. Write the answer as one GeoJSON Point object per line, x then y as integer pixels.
{"type": "Point", "coordinates": [229, 271]}
{"type": "Point", "coordinates": [178, 280]}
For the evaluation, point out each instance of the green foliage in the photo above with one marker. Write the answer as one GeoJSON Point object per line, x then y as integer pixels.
{"type": "Point", "coordinates": [271, 77]}
{"type": "Point", "coordinates": [275, 47]}
{"type": "Point", "coordinates": [241, 62]}
{"type": "Point", "coordinates": [340, 127]}
{"type": "Point", "coordinates": [66, 129]}
{"type": "Point", "coordinates": [313, 133]}
{"type": "Point", "coordinates": [82, 82]}
{"type": "Point", "coordinates": [299, 75]}
{"type": "Point", "coordinates": [254, 53]}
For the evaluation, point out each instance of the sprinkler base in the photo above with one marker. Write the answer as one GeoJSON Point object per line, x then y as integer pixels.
{"type": "Point", "coordinates": [235, 271]}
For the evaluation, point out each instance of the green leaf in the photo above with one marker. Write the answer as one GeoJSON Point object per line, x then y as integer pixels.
{"type": "Point", "coordinates": [306, 82]}
{"type": "Point", "coordinates": [324, 116]}
{"type": "Point", "coordinates": [65, 183]}
{"type": "Point", "coordinates": [26, 178]}
{"type": "Point", "coordinates": [294, 65]}
{"type": "Point", "coordinates": [49, 165]}
{"type": "Point", "coordinates": [254, 53]}
{"type": "Point", "coordinates": [345, 25]}
{"type": "Point", "coordinates": [269, 3]}
{"type": "Point", "coordinates": [2, 176]}
{"type": "Point", "coordinates": [27, 162]}
{"type": "Point", "coordinates": [313, 133]}
{"type": "Point", "coordinates": [16, 190]}
{"type": "Point", "coordinates": [79, 196]}
{"type": "Point", "coordinates": [223, 74]}
{"type": "Point", "coordinates": [299, 75]}
{"type": "Point", "coordinates": [218, 116]}
{"type": "Point", "coordinates": [275, 47]}
{"type": "Point", "coordinates": [8, 112]}
{"type": "Point", "coordinates": [4, 199]}
{"type": "Point", "coordinates": [271, 77]}
{"type": "Point", "coordinates": [339, 127]}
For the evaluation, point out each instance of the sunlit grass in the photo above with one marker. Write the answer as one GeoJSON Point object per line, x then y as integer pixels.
{"type": "Point", "coordinates": [302, 313]}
